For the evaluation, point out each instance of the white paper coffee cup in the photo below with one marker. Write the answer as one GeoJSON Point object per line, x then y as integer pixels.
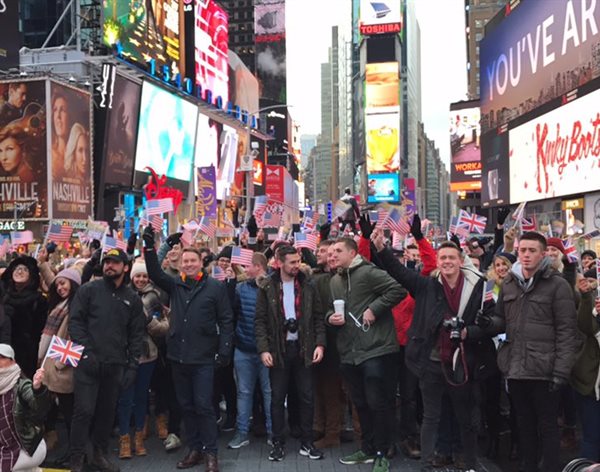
{"type": "Point", "coordinates": [338, 306]}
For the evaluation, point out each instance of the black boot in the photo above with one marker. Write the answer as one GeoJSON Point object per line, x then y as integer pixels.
{"type": "Point", "coordinates": [101, 463]}
{"type": "Point", "coordinates": [77, 463]}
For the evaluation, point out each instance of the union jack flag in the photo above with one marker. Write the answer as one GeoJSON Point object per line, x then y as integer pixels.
{"type": "Point", "coordinates": [528, 224]}
{"type": "Point", "coordinates": [159, 206]}
{"type": "Point", "coordinates": [396, 222]}
{"type": "Point", "coordinates": [471, 222]}
{"type": "Point", "coordinates": [591, 235]}
{"type": "Point", "coordinates": [308, 241]}
{"type": "Point", "coordinates": [59, 233]}
{"type": "Point", "coordinates": [65, 352]}
{"type": "Point", "coordinates": [570, 250]}
{"type": "Point", "coordinates": [218, 273]}
{"type": "Point", "coordinates": [241, 256]}
{"type": "Point", "coordinates": [488, 293]}
{"type": "Point", "coordinates": [519, 212]}
{"type": "Point", "coordinates": [206, 225]}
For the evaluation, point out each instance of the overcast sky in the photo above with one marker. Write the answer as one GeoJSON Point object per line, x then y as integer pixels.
{"type": "Point", "coordinates": [443, 61]}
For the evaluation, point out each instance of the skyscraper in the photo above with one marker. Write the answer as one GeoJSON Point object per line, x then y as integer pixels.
{"type": "Point", "coordinates": [241, 29]}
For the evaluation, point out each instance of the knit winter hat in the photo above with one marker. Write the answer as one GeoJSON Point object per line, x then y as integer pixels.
{"type": "Point", "coordinates": [557, 243]}
{"type": "Point", "coordinates": [71, 274]}
{"type": "Point", "coordinates": [138, 268]}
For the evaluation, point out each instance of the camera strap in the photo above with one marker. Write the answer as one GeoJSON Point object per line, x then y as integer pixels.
{"type": "Point", "coordinates": [459, 365]}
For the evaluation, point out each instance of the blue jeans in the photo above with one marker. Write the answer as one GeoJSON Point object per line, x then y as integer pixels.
{"type": "Point", "coordinates": [589, 409]}
{"type": "Point", "coordinates": [248, 369]}
{"type": "Point", "coordinates": [135, 399]}
{"type": "Point", "coordinates": [194, 389]}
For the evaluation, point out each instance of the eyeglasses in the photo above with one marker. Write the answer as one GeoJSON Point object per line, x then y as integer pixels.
{"type": "Point", "coordinates": [21, 268]}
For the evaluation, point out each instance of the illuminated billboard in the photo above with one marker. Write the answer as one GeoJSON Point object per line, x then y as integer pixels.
{"type": "Point", "coordinates": [495, 183]}
{"type": "Point", "coordinates": [465, 147]}
{"type": "Point", "coordinates": [211, 46]}
{"type": "Point", "coordinates": [166, 132]}
{"type": "Point", "coordinates": [383, 142]}
{"type": "Point", "coordinates": [382, 86]}
{"type": "Point", "coordinates": [380, 17]}
{"type": "Point", "coordinates": [269, 17]}
{"type": "Point", "coordinates": [383, 188]}
{"type": "Point", "coordinates": [556, 154]}
{"type": "Point", "coordinates": [539, 52]}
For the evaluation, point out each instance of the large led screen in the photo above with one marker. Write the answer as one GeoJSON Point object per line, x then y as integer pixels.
{"type": "Point", "coordinates": [540, 51]}
{"type": "Point", "coordinates": [556, 154]}
{"type": "Point", "coordinates": [269, 17]}
{"type": "Point", "coordinates": [465, 147]}
{"type": "Point", "coordinates": [380, 16]}
{"type": "Point", "coordinates": [382, 87]}
{"type": "Point", "coordinates": [166, 133]}
{"type": "Point", "coordinates": [383, 142]}
{"type": "Point", "coordinates": [23, 161]}
{"type": "Point", "coordinates": [495, 183]}
{"type": "Point", "coordinates": [211, 46]}
{"type": "Point", "coordinates": [383, 188]}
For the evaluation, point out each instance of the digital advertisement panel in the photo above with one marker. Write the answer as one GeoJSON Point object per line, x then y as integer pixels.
{"type": "Point", "coordinates": [121, 132]}
{"type": "Point", "coordinates": [11, 39]}
{"type": "Point", "coordinates": [146, 30]}
{"type": "Point", "coordinates": [556, 154]}
{"type": "Point", "coordinates": [495, 182]}
{"type": "Point", "coordinates": [383, 142]}
{"type": "Point", "coordinates": [70, 156]}
{"type": "Point", "coordinates": [211, 46]}
{"type": "Point", "coordinates": [380, 17]}
{"type": "Point", "coordinates": [465, 134]}
{"type": "Point", "coordinates": [166, 133]}
{"type": "Point", "coordinates": [271, 69]}
{"type": "Point", "coordinates": [383, 188]}
{"type": "Point", "coordinates": [23, 144]}
{"type": "Point", "coordinates": [269, 17]}
{"type": "Point", "coordinates": [382, 87]}
{"type": "Point", "coordinates": [539, 52]}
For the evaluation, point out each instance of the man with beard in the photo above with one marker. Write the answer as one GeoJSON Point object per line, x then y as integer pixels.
{"type": "Point", "coordinates": [107, 318]}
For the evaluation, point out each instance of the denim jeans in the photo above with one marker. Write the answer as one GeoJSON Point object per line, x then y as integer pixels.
{"type": "Point", "coordinates": [135, 399]}
{"type": "Point", "coordinates": [194, 389]}
{"type": "Point", "coordinates": [248, 370]}
{"type": "Point", "coordinates": [589, 410]}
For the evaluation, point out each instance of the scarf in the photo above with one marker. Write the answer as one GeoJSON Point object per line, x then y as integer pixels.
{"type": "Point", "coordinates": [297, 299]}
{"type": "Point", "coordinates": [453, 298]}
{"type": "Point", "coordinates": [9, 377]}
{"type": "Point", "coordinates": [53, 323]}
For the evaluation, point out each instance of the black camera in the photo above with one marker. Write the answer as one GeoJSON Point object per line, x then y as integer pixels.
{"type": "Point", "coordinates": [454, 325]}
{"type": "Point", "coordinates": [291, 325]}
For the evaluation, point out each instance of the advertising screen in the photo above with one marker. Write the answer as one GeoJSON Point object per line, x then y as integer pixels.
{"type": "Point", "coordinates": [383, 188]}
{"type": "Point", "coordinates": [271, 69]}
{"type": "Point", "coordinates": [556, 154]}
{"type": "Point", "coordinates": [383, 142]}
{"type": "Point", "coordinates": [382, 87]}
{"type": "Point", "coordinates": [465, 133]}
{"type": "Point", "coordinates": [539, 52]}
{"type": "Point", "coordinates": [70, 156]}
{"type": "Point", "coordinates": [146, 30]}
{"type": "Point", "coordinates": [211, 46]}
{"type": "Point", "coordinates": [121, 132]}
{"type": "Point", "coordinates": [166, 133]}
{"type": "Point", "coordinates": [495, 183]}
{"type": "Point", "coordinates": [23, 161]}
{"type": "Point", "coordinates": [380, 17]}
{"type": "Point", "coordinates": [269, 17]}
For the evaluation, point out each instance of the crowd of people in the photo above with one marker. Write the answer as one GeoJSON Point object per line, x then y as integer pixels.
{"type": "Point", "coordinates": [426, 349]}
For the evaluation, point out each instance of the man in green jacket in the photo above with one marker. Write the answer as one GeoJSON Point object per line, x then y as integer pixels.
{"type": "Point", "coordinates": [367, 342]}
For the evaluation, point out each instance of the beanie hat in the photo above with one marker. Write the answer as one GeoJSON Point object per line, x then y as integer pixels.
{"type": "Point", "coordinates": [508, 256]}
{"type": "Point", "coordinates": [557, 243]}
{"type": "Point", "coordinates": [138, 268]}
{"type": "Point", "coordinates": [589, 252]}
{"type": "Point", "coordinates": [71, 274]}
{"type": "Point", "coordinates": [225, 252]}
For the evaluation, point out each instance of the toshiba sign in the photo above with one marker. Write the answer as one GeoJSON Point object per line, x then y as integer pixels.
{"type": "Point", "coordinates": [380, 17]}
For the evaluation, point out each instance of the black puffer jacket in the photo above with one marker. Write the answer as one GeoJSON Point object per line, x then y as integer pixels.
{"type": "Point", "coordinates": [201, 322]}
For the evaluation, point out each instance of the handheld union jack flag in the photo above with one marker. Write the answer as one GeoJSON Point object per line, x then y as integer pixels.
{"type": "Point", "coordinates": [570, 250]}
{"type": "Point", "coordinates": [471, 222]}
{"type": "Point", "coordinates": [591, 235]}
{"type": "Point", "coordinates": [65, 352]}
{"type": "Point", "coordinates": [488, 295]}
{"type": "Point", "coordinates": [456, 229]}
{"type": "Point", "coordinates": [528, 224]}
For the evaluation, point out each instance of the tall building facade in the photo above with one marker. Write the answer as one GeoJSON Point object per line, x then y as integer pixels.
{"type": "Point", "coordinates": [241, 30]}
{"type": "Point", "coordinates": [477, 14]}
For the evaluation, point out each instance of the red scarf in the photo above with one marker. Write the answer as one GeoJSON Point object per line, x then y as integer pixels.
{"type": "Point", "coordinates": [453, 298]}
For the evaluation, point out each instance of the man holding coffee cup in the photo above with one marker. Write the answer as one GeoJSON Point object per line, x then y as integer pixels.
{"type": "Point", "coordinates": [363, 298]}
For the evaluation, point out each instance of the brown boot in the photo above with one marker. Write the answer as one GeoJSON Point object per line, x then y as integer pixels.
{"type": "Point", "coordinates": [51, 438]}
{"type": "Point", "coordinates": [125, 447]}
{"type": "Point", "coordinates": [140, 450]}
{"type": "Point", "coordinates": [191, 459]}
{"type": "Point", "coordinates": [161, 427]}
{"type": "Point", "coordinates": [210, 462]}
{"type": "Point", "coordinates": [327, 441]}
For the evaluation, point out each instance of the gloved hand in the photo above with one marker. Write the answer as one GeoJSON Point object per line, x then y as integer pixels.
{"type": "Point", "coordinates": [132, 239]}
{"type": "Point", "coordinates": [415, 228]}
{"type": "Point", "coordinates": [148, 237]}
{"type": "Point", "coordinates": [557, 383]}
{"type": "Point", "coordinates": [96, 255]}
{"type": "Point", "coordinates": [503, 212]}
{"type": "Point", "coordinates": [324, 231]}
{"type": "Point", "coordinates": [456, 241]}
{"type": "Point", "coordinates": [173, 239]}
{"type": "Point", "coordinates": [366, 227]}
{"type": "Point", "coordinates": [483, 320]}
{"type": "Point", "coordinates": [222, 360]}
{"type": "Point", "coordinates": [128, 378]}
{"type": "Point", "coordinates": [252, 227]}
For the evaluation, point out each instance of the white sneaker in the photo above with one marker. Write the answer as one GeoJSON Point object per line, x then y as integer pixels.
{"type": "Point", "coordinates": [172, 442]}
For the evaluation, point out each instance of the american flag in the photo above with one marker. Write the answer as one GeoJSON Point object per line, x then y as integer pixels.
{"type": "Point", "coordinates": [187, 236]}
{"type": "Point", "coordinates": [159, 206]}
{"type": "Point", "coordinates": [309, 241]}
{"type": "Point", "coordinates": [206, 225]}
{"type": "Point", "coordinates": [311, 218]}
{"type": "Point", "coordinates": [120, 243]}
{"type": "Point", "coordinates": [528, 224]}
{"type": "Point", "coordinates": [4, 247]}
{"type": "Point", "coordinates": [260, 204]}
{"type": "Point", "coordinates": [113, 243]}
{"type": "Point", "coordinates": [156, 221]}
{"type": "Point", "coordinates": [591, 235]}
{"type": "Point", "coordinates": [396, 222]}
{"type": "Point", "coordinates": [396, 240]}
{"type": "Point", "coordinates": [340, 208]}
{"type": "Point", "coordinates": [382, 215]}
{"type": "Point", "coordinates": [21, 237]}
{"type": "Point", "coordinates": [241, 256]}
{"type": "Point", "coordinates": [488, 292]}
{"type": "Point", "coordinates": [59, 233]}
{"type": "Point", "coordinates": [471, 222]}
{"type": "Point", "coordinates": [570, 250]}
{"type": "Point", "coordinates": [271, 220]}
{"type": "Point", "coordinates": [65, 352]}
{"type": "Point", "coordinates": [218, 273]}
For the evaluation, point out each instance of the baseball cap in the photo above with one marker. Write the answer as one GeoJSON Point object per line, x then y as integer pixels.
{"type": "Point", "coordinates": [7, 351]}
{"type": "Point", "coordinates": [116, 255]}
